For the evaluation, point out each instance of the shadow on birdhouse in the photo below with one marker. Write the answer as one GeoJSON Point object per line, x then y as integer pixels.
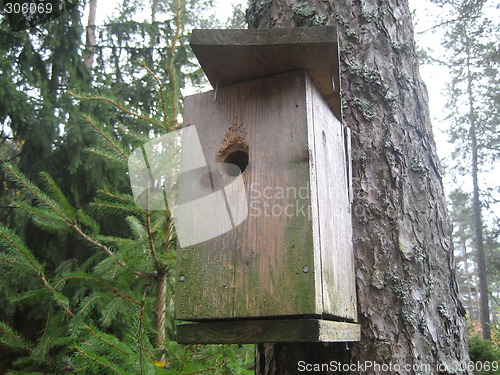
{"type": "Point", "coordinates": [284, 271]}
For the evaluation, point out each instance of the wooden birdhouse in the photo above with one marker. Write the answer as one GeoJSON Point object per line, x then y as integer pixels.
{"type": "Point", "coordinates": [284, 272]}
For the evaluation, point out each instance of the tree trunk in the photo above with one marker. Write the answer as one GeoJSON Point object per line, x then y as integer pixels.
{"type": "Point", "coordinates": [478, 297]}
{"type": "Point", "coordinates": [468, 282]}
{"type": "Point", "coordinates": [476, 209]}
{"type": "Point", "coordinates": [90, 40]}
{"type": "Point", "coordinates": [408, 302]}
{"type": "Point", "coordinates": [152, 32]}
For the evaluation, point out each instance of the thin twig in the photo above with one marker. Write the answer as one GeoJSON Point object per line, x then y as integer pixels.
{"type": "Point", "coordinates": [170, 65]}
{"type": "Point", "coordinates": [162, 94]}
{"type": "Point", "coordinates": [107, 137]}
{"type": "Point", "coordinates": [446, 23]}
{"type": "Point", "coordinates": [494, 298]}
{"type": "Point", "coordinates": [119, 106]}
{"type": "Point", "coordinates": [106, 249]}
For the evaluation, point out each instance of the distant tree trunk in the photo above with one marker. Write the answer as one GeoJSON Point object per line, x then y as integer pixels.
{"type": "Point", "coordinates": [478, 298]}
{"type": "Point", "coordinates": [468, 281]}
{"type": "Point", "coordinates": [152, 32]}
{"type": "Point", "coordinates": [408, 306]}
{"type": "Point", "coordinates": [476, 209]}
{"type": "Point", "coordinates": [90, 39]}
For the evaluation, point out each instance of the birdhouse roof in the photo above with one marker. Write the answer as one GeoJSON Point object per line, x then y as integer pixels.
{"type": "Point", "coordinates": [234, 56]}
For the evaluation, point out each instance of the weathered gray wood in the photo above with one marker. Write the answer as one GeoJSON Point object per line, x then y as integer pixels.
{"type": "Point", "coordinates": [233, 56]}
{"type": "Point", "coordinates": [292, 256]}
{"type": "Point", "coordinates": [259, 331]}
{"type": "Point", "coordinates": [266, 266]}
{"type": "Point", "coordinates": [328, 162]}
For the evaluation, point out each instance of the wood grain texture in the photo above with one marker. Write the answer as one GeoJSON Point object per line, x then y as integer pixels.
{"type": "Point", "coordinates": [328, 161]}
{"type": "Point", "coordinates": [233, 56]}
{"type": "Point", "coordinates": [258, 268]}
{"type": "Point", "coordinates": [292, 256]}
{"type": "Point", "coordinates": [260, 331]}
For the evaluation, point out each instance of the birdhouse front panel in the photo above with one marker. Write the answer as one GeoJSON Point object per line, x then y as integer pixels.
{"type": "Point", "coordinates": [292, 254]}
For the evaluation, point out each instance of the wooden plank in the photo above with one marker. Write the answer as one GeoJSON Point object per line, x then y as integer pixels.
{"type": "Point", "coordinates": [259, 331]}
{"type": "Point", "coordinates": [315, 198]}
{"type": "Point", "coordinates": [265, 267]}
{"type": "Point", "coordinates": [333, 214]}
{"type": "Point", "coordinates": [233, 56]}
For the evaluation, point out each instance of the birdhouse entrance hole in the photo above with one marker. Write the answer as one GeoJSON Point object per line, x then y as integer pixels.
{"type": "Point", "coordinates": [238, 161]}
{"type": "Point", "coordinates": [233, 151]}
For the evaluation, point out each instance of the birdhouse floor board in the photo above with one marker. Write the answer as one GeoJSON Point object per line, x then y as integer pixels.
{"type": "Point", "coordinates": [258, 331]}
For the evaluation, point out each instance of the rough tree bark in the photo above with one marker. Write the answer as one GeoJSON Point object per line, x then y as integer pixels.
{"type": "Point", "coordinates": [407, 294]}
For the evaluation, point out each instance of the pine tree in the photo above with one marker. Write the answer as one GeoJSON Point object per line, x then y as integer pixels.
{"type": "Point", "coordinates": [461, 216]}
{"type": "Point", "coordinates": [471, 43]}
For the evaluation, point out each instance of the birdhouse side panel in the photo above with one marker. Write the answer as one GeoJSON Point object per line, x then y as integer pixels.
{"type": "Point", "coordinates": [334, 217]}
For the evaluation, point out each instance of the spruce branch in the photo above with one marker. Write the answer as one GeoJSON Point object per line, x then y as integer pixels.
{"type": "Point", "coordinates": [116, 207]}
{"type": "Point", "coordinates": [13, 339]}
{"type": "Point", "coordinates": [106, 154]}
{"type": "Point", "coordinates": [134, 135]}
{"type": "Point", "coordinates": [13, 242]}
{"type": "Point", "coordinates": [108, 137]}
{"type": "Point", "coordinates": [91, 301]}
{"type": "Point", "coordinates": [108, 340]}
{"type": "Point", "coordinates": [162, 94]}
{"type": "Point", "coordinates": [447, 22]}
{"type": "Point", "coordinates": [99, 360]}
{"type": "Point", "coordinates": [13, 262]}
{"type": "Point", "coordinates": [201, 370]}
{"type": "Point", "coordinates": [105, 248]}
{"type": "Point", "coordinates": [94, 279]}
{"type": "Point", "coordinates": [117, 196]}
{"type": "Point", "coordinates": [119, 106]}
{"type": "Point", "coordinates": [37, 212]}
{"type": "Point", "coordinates": [22, 181]}
{"type": "Point", "coordinates": [58, 194]}
{"type": "Point", "coordinates": [172, 73]}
